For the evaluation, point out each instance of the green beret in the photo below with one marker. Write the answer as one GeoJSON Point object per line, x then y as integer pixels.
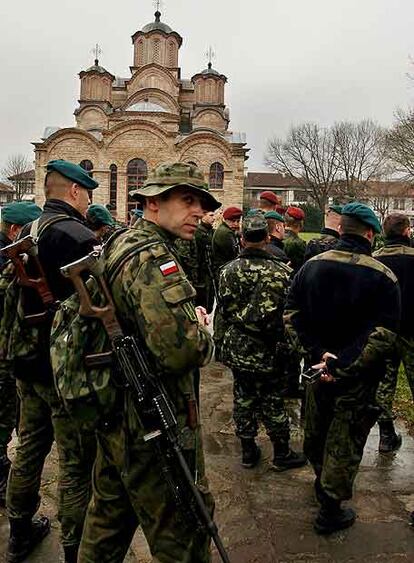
{"type": "Point", "coordinates": [98, 215]}
{"type": "Point", "coordinates": [363, 213]}
{"type": "Point", "coordinates": [171, 175]}
{"type": "Point", "coordinates": [255, 228]}
{"type": "Point", "coordinates": [274, 215]}
{"type": "Point", "coordinates": [336, 209]}
{"type": "Point", "coordinates": [20, 212]}
{"type": "Point", "coordinates": [72, 172]}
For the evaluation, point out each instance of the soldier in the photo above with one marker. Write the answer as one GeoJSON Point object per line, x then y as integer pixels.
{"type": "Point", "coordinates": [203, 238]}
{"type": "Point", "coordinates": [398, 255]}
{"type": "Point", "coordinates": [153, 299]}
{"type": "Point", "coordinates": [62, 238]}
{"type": "Point", "coordinates": [276, 226]}
{"type": "Point", "coordinates": [14, 217]}
{"type": "Point", "coordinates": [295, 247]}
{"type": "Point", "coordinates": [329, 234]}
{"type": "Point", "coordinates": [347, 329]}
{"type": "Point", "coordinates": [253, 289]}
{"type": "Point", "coordinates": [269, 201]}
{"type": "Point", "coordinates": [100, 221]}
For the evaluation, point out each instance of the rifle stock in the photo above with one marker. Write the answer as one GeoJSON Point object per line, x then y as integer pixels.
{"type": "Point", "coordinates": [153, 405]}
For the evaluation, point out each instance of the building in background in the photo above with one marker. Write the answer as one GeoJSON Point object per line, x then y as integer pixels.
{"type": "Point", "coordinates": [6, 193]}
{"type": "Point", "coordinates": [126, 126]}
{"type": "Point", "coordinates": [288, 188]}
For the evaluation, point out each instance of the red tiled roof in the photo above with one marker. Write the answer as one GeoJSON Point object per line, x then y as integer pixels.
{"type": "Point", "coordinates": [270, 180]}
{"type": "Point", "coordinates": [29, 175]}
{"type": "Point", "coordinates": [397, 189]}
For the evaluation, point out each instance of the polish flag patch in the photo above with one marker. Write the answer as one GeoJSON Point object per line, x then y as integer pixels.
{"type": "Point", "coordinates": [169, 268]}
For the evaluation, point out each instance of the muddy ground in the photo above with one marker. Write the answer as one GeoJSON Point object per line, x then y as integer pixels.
{"type": "Point", "coordinates": [266, 517]}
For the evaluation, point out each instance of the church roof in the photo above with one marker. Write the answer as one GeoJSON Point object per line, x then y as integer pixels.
{"type": "Point", "coordinates": [157, 25]}
{"type": "Point", "coordinates": [210, 71]}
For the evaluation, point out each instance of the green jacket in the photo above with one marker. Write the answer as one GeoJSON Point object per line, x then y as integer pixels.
{"type": "Point", "coordinates": [295, 249]}
{"type": "Point", "coordinates": [253, 289]}
{"type": "Point", "coordinates": [225, 245]}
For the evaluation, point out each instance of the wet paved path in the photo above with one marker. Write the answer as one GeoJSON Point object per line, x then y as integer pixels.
{"type": "Point", "coordinates": [266, 517]}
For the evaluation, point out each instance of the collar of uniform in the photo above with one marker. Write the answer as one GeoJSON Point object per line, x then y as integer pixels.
{"type": "Point", "coordinates": [290, 234]}
{"type": "Point", "coordinates": [398, 240]}
{"type": "Point", "coordinates": [331, 232]}
{"type": "Point", "coordinates": [255, 253]}
{"type": "Point", "coordinates": [354, 243]}
{"type": "Point", "coordinates": [59, 206]}
{"type": "Point", "coordinates": [4, 240]}
{"type": "Point", "coordinates": [152, 228]}
{"type": "Point", "coordinates": [276, 241]}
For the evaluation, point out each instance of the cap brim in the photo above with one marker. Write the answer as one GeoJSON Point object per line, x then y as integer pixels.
{"type": "Point", "coordinates": [211, 203]}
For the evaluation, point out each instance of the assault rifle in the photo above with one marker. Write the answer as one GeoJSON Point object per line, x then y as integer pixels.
{"type": "Point", "coordinates": [153, 405]}
{"type": "Point", "coordinates": [18, 253]}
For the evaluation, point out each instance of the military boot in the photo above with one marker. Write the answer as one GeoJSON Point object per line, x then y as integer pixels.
{"type": "Point", "coordinates": [285, 458]}
{"type": "Point", "coordinates": [71, 553]}
{"type": "Point", "coordinates": [389, 439]}
{"type": "Point", "coordinates": [251, 453]}
{"type": "Point", "coordinates": [4, 473]}
{"type": "Point", "coordinates": [25, 534]}
{"type": "Point", "coordinates": [332, 517]}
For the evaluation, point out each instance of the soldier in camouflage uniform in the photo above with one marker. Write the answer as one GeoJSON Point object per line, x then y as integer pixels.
{"type": "Point", "coordinates": [344, 327]}
{"type": "Point", "coordinates": [294, 246]}
{"type": "Point", "coordinates": [253, 289]}
{"type": "Point", "coordinates": [14, 217]}
{"type": "Point", "coordinates": [204, 238]}
{"type": "Point", "coordinates": [154, 298]}
{"type": "Point", "coordinates": [329, 234]}
{"type": "Point", "coordinates": [62, 237]}
{"type": "Point", "coordinates": [398, 255]}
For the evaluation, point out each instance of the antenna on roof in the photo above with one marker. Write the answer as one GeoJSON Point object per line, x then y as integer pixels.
{"type": "Point", "coordinates": [210, 55]}
{"type": "Point", "coordinates": [97, 51]}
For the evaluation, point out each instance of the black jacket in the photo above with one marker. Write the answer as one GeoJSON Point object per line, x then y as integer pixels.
{"type": "Point", "coordinates": [4, 241]}
{"type": "Point", "coordinates": [62, 243]}
{"type": "Point", "coordinates": [327, 241]}
{"type": "Point", "coordinates": [276, 248]}
{"type": "Point", "coordinates": [341, 301]}
{"type": "Point", "coordinates": [398, 255]}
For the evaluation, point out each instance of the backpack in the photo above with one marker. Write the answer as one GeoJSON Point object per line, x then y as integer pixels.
{"type": "Point", "coordinates": [88, 393]}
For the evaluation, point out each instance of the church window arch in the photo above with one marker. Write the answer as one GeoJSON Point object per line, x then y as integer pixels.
{"type": "Point", "coordinates": [216, 178]}
{"type": "Point", "coordinates": [140, 52]}
{"type": "Point", "coordinates": [88, 167]}
{"type": "Point", "coordinates": [113, 185]}
{"type": "Point", "coordinates": [156, 50]}
{"type": "Point", "coordinates": [171, 54]}
{"type": "Point", "coordinates": [137, 172]}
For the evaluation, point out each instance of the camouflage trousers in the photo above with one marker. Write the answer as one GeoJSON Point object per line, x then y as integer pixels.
{"type": "Point", "coordinates": [404, 352]}
{"type": "Point", "coordinates": [335, 436]}
{"type": "Point", "coordinates": [7, 404]}
{"type": "Point", "coordinates": [43, 417]}
{"type": "Point", "coordinates": [129, 490]}
{"type": "Point", "coordinates": [257, 397]}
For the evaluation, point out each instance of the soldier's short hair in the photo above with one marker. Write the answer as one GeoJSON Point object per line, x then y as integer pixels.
{"type": "Point", "coordinates": [353, 226]}
{"type": "Point", "coordinates": [395, 224]}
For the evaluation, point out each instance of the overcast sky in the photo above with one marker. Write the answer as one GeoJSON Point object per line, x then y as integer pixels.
{"type": "Point", "coordinates": [287, 61]}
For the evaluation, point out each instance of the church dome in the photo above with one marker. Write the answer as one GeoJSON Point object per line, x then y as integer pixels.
{"type": "Point", "coordinates": [210, 70]}
{"type": "Point", "coordinates": [157, 25]}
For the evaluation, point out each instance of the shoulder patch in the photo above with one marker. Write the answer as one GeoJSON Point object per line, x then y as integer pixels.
{"type": "Point", "coordinates": [394, 250]}
{"type": "Point", "coordinates": [169, 268]}
{"type": "Point", "coordinates": [356, 260]}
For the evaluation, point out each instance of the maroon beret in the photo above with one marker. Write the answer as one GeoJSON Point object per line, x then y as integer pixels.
{"type": "Point", "coordinates": [296, 213]}
{"type": "Point", "coordinates": [232, 213]}
{"type": "Point", "coordinates": [280, 209]}
{"type": "Point", "coordinates": [271, 197]}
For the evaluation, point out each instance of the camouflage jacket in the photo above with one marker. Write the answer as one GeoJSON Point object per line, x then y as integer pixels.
{"type": "Point", "coordinates": [294, 248]}
{"type": "Point", "coordinates": [253, 290]}
{"type": "Point", "coordinates": [186, 251]}
{"type": "Point", "coordinates": [225, 246]}
{"type": "Point", "coordinates": [345, 302]}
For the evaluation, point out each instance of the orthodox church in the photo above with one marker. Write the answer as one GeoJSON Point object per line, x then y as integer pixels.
{"type": "Point", "coordinates": [126, 126]}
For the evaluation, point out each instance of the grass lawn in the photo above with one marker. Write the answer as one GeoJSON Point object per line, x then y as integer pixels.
{"type": "Point", "coordinates": [403, 403]}
{"type": "Point", "coordinates": [308, 236]}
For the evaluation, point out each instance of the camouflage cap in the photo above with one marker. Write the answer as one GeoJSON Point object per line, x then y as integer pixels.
{"type": "Point", "coordinates": [255, 228]}
{"type": "Point", "coordinates": [172, 175]}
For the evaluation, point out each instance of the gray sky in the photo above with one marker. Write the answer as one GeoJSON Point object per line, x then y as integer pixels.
{"type": "Point", "coordinates": [287, 62]}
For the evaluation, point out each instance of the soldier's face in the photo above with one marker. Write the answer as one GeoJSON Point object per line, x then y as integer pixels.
{"type": "Point", "coordinates": [180, 212]}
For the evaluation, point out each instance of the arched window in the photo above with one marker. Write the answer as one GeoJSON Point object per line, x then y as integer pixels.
{"type": "Point", "coordinates": [88, 167]}
{"type": "Point", "coordinates": [216, 176]}
{"type": "Point", "coordinates": [137, 173]}
{"type": "Point", "coordinates": [192, 162]}
{"type": "Point", "coordinates": [113, 185]}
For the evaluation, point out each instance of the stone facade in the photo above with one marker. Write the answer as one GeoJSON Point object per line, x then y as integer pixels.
{"type": "Point", "coordinates": [126, 126]}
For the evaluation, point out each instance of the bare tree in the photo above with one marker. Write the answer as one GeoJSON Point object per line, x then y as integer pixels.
{"type": "Point", "coordinates": [361, 156]}
{"type": "Point", "coordinates": [15, 173]}
{"type": "Point", "coordinates": [309, 155]}
{"type": "Point", "coordinates": [400, 143]}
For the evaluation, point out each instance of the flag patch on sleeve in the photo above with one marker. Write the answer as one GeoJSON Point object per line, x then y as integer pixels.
{"type": "Point", "coordinates": [169, 268]}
